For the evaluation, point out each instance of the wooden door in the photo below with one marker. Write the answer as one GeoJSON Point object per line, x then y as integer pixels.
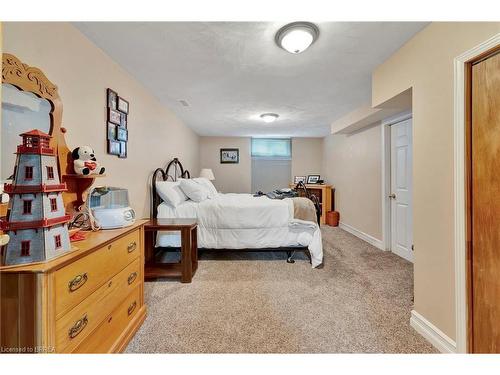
{"type": "Point", "coordinates": [401, 189]}
{"type": "Point", "coordinates": [485, 206]}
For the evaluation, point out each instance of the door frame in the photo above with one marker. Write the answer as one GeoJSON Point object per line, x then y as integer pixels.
{"type": "Point", "coordinates": [386, 174]}
{"type": "Point", "coordinates": [462, 209]}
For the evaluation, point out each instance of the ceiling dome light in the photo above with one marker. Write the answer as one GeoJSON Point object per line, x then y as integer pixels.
{"type": "Point", "coordinates": [296, 37]}
{"type": "Point", "coordinates": [269, 117]}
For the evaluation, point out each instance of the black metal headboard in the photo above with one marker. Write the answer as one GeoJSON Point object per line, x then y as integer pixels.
{"type": "Point", "coordinates": [173, 171]}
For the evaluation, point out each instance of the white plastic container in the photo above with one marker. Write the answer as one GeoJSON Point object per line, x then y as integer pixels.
{"type": "Point", "coordinates": [110, 207]}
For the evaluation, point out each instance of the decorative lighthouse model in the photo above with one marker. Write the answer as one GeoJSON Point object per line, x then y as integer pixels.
{"type": "Point", "coordinates": [36, 221]}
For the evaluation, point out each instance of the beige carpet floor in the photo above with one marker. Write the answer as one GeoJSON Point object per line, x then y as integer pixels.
{"type": "Point", "coordinates": [257, 303]}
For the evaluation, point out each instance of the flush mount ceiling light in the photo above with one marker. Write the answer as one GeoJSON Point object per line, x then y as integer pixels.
{"type": "Point", "coordinates": [269, 117]}
{"type": "Point", "coordinates": [296, 37]}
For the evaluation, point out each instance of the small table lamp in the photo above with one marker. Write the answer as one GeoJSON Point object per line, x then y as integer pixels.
{"type": "Point", "coordinates": [207, 173]}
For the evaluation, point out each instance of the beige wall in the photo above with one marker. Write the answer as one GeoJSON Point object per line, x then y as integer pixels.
{"type": "Point", "coordinates": [425, 63]}
{"type": "Point", "coordinates": [237, 178]}
{"type": "Point", "coordinates": [352, 163]}
{"type": "Point", "coordinates": [229, 178]}
{"type": "Point", "coordinates": [83, 72]}
{"type": "Point", "coordinates": [307, 156]}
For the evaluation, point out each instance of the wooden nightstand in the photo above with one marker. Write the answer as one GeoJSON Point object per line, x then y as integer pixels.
{"type": "Point", "coordinates": [189, 249]}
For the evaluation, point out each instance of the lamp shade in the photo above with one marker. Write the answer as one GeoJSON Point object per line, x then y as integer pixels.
{"type": "Point", "coordinates": [207, 173]}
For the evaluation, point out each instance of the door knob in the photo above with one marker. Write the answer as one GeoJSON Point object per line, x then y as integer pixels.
{"type": "Point", "coordinates": [392, 196]}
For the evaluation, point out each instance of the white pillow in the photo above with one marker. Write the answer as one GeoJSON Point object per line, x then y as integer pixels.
{"type": "Point", "coordinates": [212, 191]}
{"type": "Point", "coordinates": [194, 190]}
{"type": "Point", "coordinates": [170, 192]}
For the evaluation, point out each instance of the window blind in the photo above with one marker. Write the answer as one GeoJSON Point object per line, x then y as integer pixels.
{"type": "Point", "coordinates": [274, 148]}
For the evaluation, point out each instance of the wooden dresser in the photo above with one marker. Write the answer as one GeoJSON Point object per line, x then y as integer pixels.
{"type": "Point", "coordinates": [90, 300]}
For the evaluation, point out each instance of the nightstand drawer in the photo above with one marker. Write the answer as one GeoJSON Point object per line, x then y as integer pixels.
{"type": "Point", "coordinates": [103, 338]}
{"type": "Point", "coordinates": [78, 280]}
{"type": "Point", "coordinates": [80, 321]}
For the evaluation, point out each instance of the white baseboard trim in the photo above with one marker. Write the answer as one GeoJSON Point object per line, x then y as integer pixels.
{"type": "Point", "coordinates": [365, 237]}
{"type": "Point", "coordinates": [432, 333]}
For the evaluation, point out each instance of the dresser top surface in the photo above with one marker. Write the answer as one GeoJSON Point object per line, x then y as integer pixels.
{"type": "Point", "coordinates": [92, 242]}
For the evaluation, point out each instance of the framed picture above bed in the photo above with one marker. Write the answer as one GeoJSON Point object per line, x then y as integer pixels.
{"type": "Point", "coordinates": [229, 155]}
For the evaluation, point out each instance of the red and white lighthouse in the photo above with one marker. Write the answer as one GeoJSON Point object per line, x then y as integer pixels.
{"type": "Point", "coordinates": [36, 220]}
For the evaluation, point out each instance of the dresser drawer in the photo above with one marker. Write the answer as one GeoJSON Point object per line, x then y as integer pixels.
{"type": "Point", "coordinates": [80, 321]}
{"type": "Point", "coordinates": [78, 280]}
{"type": "Point", "coordinates": [105, 336]}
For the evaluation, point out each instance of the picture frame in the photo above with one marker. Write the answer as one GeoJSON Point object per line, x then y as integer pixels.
{"type": "Point", "coordinates": [123, 150]}
{"type": "Point", "coordinates": [229, 155]}
{"type": "Point", "coordinates": [298, 179]}
{"type": "Point", "coordinates": [114, 147]}
{"type": "Point", "coordinates": [313, 178]}
{"type": "Point", "coordinates": [121, 133]}
{"type": "Point", "coordinates": [116, 124]}
{"type": "Point", "coordinates": [112, 99]}
{"type": "Point", "coordinates": [111, 131]}
{"type": "Point", "coordinates": [114, 116]}
{"type": "Point", "coordinates": [122, 105]}
{"type": "Point", "coordinates": [123, 120]}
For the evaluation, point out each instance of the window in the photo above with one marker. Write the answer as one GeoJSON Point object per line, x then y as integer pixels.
{"type": "Point", "coordinates": [50, 173]}
{"type": "Point", "coordinates": [271, 163]}
{"type": "Point", "coordinates": [57, 240]}
{"type": "Point", "coordinates": [26, 207]}
{"type": "Point", "coordinates": [31, 141]}
{"type": "Point", "coordinates": [271, 148]}
{"type": "Point", "coordinates": [28, 173]}
{"type": "Point", "coordinates": [53, 204]}
{"type": "Point", "coordinates": [25, 248]}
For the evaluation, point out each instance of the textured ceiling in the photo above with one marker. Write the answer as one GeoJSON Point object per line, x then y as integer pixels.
{"type": "Point", "coordinates": [231, 72]}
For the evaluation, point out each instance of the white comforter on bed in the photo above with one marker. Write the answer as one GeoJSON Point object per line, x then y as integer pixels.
{"type": "Point", "coordinates": [239, 221]}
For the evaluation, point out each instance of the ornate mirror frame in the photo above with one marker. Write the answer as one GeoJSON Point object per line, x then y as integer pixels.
{"type": "Point", "coordinates": [31, 79]}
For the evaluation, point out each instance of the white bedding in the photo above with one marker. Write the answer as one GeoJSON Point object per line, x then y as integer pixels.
{"type": "Point", "coordinates": [241, 221]}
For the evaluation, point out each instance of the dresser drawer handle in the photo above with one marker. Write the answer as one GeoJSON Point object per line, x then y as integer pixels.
{"type": "Point", "coordinates": [131, 308]}
{"type": "Point", "coordinates": [78, 327]}
{"type": "Point", "coordinates": [132, 277]}
{"type": "Point", "coordinates": [77, 282]}
{"type": "Point", "coordinates": [132, 246]}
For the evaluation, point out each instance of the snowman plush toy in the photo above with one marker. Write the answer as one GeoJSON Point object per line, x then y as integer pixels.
{"type": "Point", "coordinates": [84, 161]}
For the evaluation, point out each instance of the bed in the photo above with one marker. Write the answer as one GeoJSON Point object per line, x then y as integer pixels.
{"type": "Point", "coordinates": [237, 221]}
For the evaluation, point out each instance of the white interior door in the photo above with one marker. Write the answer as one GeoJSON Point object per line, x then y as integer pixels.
{"type": "Point", "coordinates": [401, 189]}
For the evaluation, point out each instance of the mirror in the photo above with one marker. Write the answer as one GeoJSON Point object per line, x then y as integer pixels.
{"type": "Point", "coordinates": [22, 111]}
